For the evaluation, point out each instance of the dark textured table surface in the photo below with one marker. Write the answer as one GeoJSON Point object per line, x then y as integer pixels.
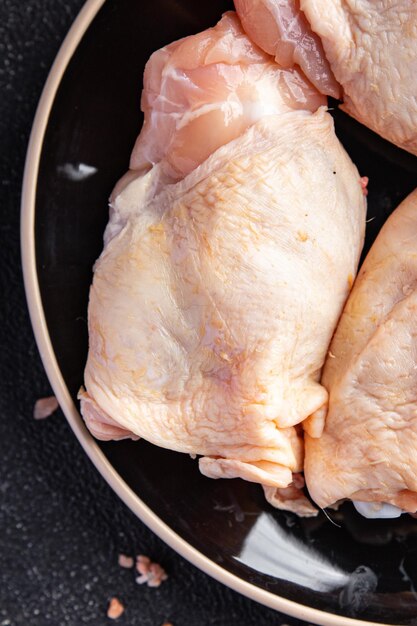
{"type": "Point", "coordinates": [61, 526]}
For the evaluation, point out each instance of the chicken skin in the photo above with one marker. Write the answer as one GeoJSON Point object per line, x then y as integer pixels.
{"type": "Point", "coordinates": [366, 451]}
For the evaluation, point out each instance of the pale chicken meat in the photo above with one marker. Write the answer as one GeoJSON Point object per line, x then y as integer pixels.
{"type": "Point", "coordinates": [366, 451]}
{"type": "Point", "coordinates": [203, 91]}
{"type": "Point", "coordinates": [368, 46]}
{"type": "Point", "coordinates": [280, 28]}
{"type": "Point", "coordinates": [225, 267]}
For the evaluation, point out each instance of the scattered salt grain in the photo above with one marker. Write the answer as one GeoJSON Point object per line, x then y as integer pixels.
{"type": "Point", "coordinates": [126, 561]}
{"type": "Point", "coordinates": [44, 407]}
{"type": "Point", "coordinates": [116, 609]}
{"type": "Point", "coordinates": [150, 573]}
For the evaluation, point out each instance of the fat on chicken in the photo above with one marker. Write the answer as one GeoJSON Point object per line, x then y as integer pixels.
{"type": "Point", "coordinates": [225, 266]}
{"type": "Point", "coordinates": [368, 46]}
{"type": "Point", "coordinates": [365, 448]}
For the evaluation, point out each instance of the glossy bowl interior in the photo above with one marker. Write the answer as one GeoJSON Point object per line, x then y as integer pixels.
{"type": "Point", "coordinates": [349, 571]}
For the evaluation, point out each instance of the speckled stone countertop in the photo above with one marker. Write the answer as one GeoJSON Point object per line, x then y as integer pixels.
{"type": "Point", "coordinates": [61, 526]}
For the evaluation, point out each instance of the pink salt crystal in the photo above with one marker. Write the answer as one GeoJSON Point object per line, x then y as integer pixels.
{"type": "Point", "coordinates": [150, 573]}
{"type": "Point", "coordinates": [142, 564]}
{"type": "Point", "coordinates": [125, 561]}
{"type": "Point", "coordinates": [156, 576]}
{"type": "Point", "coordinates": [115, 609]}
{"type": "Point", "coordinates": [44, 407]}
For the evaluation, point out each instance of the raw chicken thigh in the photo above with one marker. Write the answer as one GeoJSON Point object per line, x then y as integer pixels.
{"type": "Point", "coordinates": [370, 45]}
{"type": "Point", "coordinates": [367, 450]}
{"type": "Point", "coordinates": [225, 267]}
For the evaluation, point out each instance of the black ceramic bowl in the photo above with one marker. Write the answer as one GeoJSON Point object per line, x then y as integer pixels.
{"type": "Point", "coordinates": [352, 571]}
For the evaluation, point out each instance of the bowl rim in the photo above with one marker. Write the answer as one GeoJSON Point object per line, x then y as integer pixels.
{"type": "Point", "coordinates": [40, 329]}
